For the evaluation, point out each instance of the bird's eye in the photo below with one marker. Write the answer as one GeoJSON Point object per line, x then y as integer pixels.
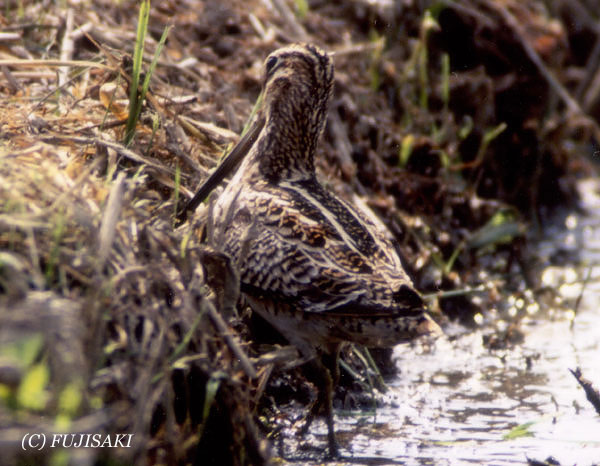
{"type": "Point", "coordinates": [270, 64]}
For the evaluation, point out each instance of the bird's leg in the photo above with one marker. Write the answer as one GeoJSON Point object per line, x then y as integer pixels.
{"type": "Point", "coordinates": [316, 372]}
{"type": "Point", "coordinates": [330, 365]}
{"type": "Point", "coordinates": [325, 367]}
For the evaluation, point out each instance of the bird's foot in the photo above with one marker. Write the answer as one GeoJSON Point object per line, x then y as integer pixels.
{"type": "Point", "coordinates": [310, 417]}
{"type": "Point", "coordinates": [333, 448]}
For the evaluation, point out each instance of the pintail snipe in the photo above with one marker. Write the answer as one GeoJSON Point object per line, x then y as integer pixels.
{"type": "Point", "coordinates": [315, 267]}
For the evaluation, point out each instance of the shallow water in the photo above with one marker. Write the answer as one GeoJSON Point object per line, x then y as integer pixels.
{"type": "Point", "coordinates": [458, 402]}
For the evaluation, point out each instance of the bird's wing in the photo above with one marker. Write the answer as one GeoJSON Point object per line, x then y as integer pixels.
{"type": "Point", "coordinates": [304, 246]}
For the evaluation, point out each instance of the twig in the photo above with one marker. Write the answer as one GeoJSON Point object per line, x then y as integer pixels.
{"type": "Point", "coordinates": [471, 10]}
{"type": "Point", "coordinates": [112, 145]}
{"type": "Point", "coordinates": [591, 393]}
{"type": "Point", "coordinates": [259, 28]}
{"type": "Point", "coordinates": [212, 130]}
{"type": "Point", "coordinates": [590, 97]}
{"type": "Point", "coordinates": [62, 198]}
{"type": "Point", "coordinates": [583, 287]}
{"type": "Point", "coordinates": [282, 356]}
{"type": "Point", "coordinates": [58, 88]}
{"type": "Point", "coordinates": [264, 376]}
{"type": "Point", "coordinates": [81, 31]}
{"type": "Point", "coordinates": [24, 26]}
{"type": "Point", "coordinates": [22, 63]}
{"type": "Point", "coordinates": [9, 36]}
{"type": "Point", "coordinates": [356, 48]}
{"type": "Point", "coordinates": [48, 75]}
{"type": "Point", "coordinates": [288, 17]}
{"type": "Point", "coordinates": [229, 335]}
{"type": "Point", "coordinates": [360, 379]}
{"type": "Point", "coordinates": [453, 293]}
{"type": "Point", "coordinates": [66, 48]}
{"type": "Point", "coordinates": [381, 385]}
{"type": "Point", "coordinates": [572, 105]}
{"type": "Point", "coordinates": [591, 76]}
{"type": "Point", "coordinates": [13, 84]}
{"type": "Point", "coordinates": [109, 219]}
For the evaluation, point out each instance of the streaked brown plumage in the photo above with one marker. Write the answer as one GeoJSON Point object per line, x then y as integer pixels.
{"type": "Point", "coordinates": [317, 268]}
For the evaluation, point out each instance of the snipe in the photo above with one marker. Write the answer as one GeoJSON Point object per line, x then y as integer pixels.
{"type": "Point", "coordinates": [315, 267]}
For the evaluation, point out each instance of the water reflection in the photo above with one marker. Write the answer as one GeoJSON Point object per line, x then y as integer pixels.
{"type": "Point", "coordinates": [462, 401]}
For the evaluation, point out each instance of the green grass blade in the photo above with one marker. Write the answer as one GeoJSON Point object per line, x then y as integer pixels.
{"type": "Point", "coordinates": [161, 44]}
{"type": "Point", "coordinates": [138, 54]}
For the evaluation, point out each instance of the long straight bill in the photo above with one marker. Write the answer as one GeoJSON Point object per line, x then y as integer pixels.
{"type": "Point", "coordinates": [227, 165]}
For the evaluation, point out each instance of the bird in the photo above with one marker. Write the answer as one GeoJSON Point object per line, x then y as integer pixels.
{"type": "Point", "coordinates": [316, 267]}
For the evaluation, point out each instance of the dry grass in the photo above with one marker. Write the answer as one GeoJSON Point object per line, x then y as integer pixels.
{"type": "Point", "coordinates": [110, 301]}
{"type": "Point", "coordinates": [92, 264]}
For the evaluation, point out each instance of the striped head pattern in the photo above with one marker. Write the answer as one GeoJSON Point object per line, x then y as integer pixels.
{"type": "Point", "coordinates": [297, 89]}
